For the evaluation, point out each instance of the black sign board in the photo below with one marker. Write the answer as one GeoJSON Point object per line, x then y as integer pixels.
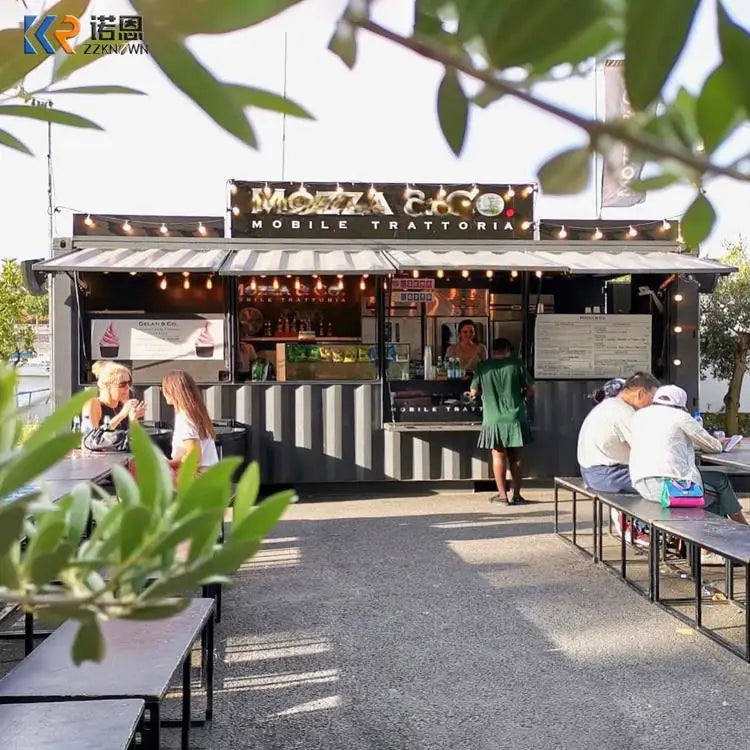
{"type": "Point", "coordinates": [325, 210]}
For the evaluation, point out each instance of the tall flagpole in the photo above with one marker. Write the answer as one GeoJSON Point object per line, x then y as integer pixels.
{"type": "Point", "coordinates": [283, 115]}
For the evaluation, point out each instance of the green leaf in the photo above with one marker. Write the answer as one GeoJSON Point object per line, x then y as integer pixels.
{"type": "Point", "coordinates": [9, 140]}
{"type": "Point", "coordinates": [656, 34]}
{"type": "Point", "coordinates": [185, 530]}
{"type": "Point", "coordinates": [66, 65]}
{"type": "Point", "coordinates": [15, 64]}
{"type": "Point", "coordinates": [654, 183]}
{"type": "Point", "coordinates": [49, 535]}
{"type": "Point", "coordinates": [89, 643]}
{"type": "Point", "coordinates": [61, 419]}
{"type": "Point", "coordinates": [154, 478]}
{"type": "Point", "coordinates": [77, 513]}
{"type": "Point", "coordinates": [343, 43]}
{"type": "Point", "coordinates": [698, 221]}
{"type": "Point", "coordinates": [158, 611]}
{"type": "Point", "coordinates": [55, 116]}
{"type": "Point", "coordinates": [427, 18]}
{"type": "Point", "coordinates": [453, 110]}
{"type": "Point", "coordinates": [188, 75]}
{"type": "Point", "coordinates": [718, 109]}
{"type": "Point", "coordinates": [125, 486]}
{"type": "Point", "coordinates": [262, 518]}
{"type": "Point", "coordinates": [735, 48]}
{"type": "Point", "coordinates": [486, 96]}
{"type": "Point", "coordinates": [12, 516]}
{"type": "Point", "coordinates": [211, 490]}
{"type": "Point", "coordinates": [45, 566]}
{"type": "Point", "coordinates": [247, 96]}
{"type": "Point", "coordinates": [135, 521]}
{"type": "Point", "coordinates": [206, 16]}
{"type": "Point", "coordinates": [247, 492]}
{"type": "Point", "coordinates": [98, 90]}
{"type": "Point", "coordinates": [567, 172]}
{"type": "Point", "coordinates": [10, 574]}
{"type": "Point", "coordinates": [229, 557]}
{"type": "Point", "coordinates": [31, 463]}
{"type": "Point", "coordinates": [186, 474]}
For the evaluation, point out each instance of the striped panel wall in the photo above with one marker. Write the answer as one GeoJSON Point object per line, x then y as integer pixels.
{"type": "Point", "coordinates": [332, 433]}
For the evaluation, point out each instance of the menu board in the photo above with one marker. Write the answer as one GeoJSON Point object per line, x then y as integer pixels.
{"type": "Point", "coordinates": [158, 339]}
{"type": "Point", "coordinates": [591, 346]}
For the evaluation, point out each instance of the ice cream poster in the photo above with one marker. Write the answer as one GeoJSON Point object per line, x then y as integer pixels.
{"type": "Point", "coordinates": [157, 339]}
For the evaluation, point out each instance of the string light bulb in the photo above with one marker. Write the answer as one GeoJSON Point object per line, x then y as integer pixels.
{"type": "Point", "coordinates": [253, 284]}
{"type": "Point", "coordinates": [665, 226]}
{"type": "Point", "coordinates": [201, 229]}
{"type": "Point", "coordinates": [160, 273]}
{"type": "Point", "coordinates": [341, 285]}
{"type": "Point", "coordinates": [525, 225]}
{"type": "Point", "coordinates": [510, 193]}
{"type": "Point", "coordinates": [440, 273]}
{"type": "Point", "coordinates": [677, 329]}
{"type": "Point", "coordinates": [88, 221]}
{"type": "Point", "coordinates": [441, 193]}
{"type": "Point", "coordinates": [209, 283]}
{"type": "Point", "coordinates": [538, 274]}
{"type": "Point", "coordinates": [465, 273]}
{"type": "Point", "coordinates": [415, 273]}
{"type": "Point", "coordinates": [678, 297]}
{"type": "Point", "coordinates": [527, 191]}
{"type": "Point", "coordinates": [490, 273]}
{"type": "Point", "coordinates": [597, 235]}
{"type": "Point", "coordinates": [163, 228]}
{"type": "Point", "coordinates": [126, 227]}
{"type": "Point", "coordinates": [133, 273]}
{"type": "Point", "coordinates": [362, 284]}
{"type": "Point", "coordinates": [371, 192]}
{"type": "Point", "coordinates": [319, 284]}
{"type": "Point", "coordinates": [233, 188]}
{"type": "Point", "coordinates": [339, 189]}
{"type": "Point", "coordinates": [563, 233]}
{"type": "Point", "coordinates": [297, 285]}
{"type": "Point", "coordinates": [236, 210]}
{"type": "Point", "coordinates": [632, 232]}
{"type": "Point", "coordinates": [186, 283]}
{"type": "Point", "coordinates": [163, 283]}
{"type": "Point", "coordinates": [677, 362]}
{"type": "Point", "coordinates": [514, 274]}
{"type": "Point", "coordinates": [275, 283]}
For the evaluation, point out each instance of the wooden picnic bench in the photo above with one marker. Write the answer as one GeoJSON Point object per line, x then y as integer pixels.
{"type": "Point", "coordinates": [141, 658]}
{"type": "Point", "coordinates": [83, 725]}
{"type": "Point", "coordinates": [695, 526]}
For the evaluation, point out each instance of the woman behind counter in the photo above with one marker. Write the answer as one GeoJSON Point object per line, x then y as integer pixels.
{"type": "Point", "coordinates": [467, 350]}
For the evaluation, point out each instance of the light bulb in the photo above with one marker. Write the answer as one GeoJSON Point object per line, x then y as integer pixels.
{"type": "Point", "coordinates": [339, 189]}
{"type": "Point", "coordinates": [677, 362]}
{"type": "Point", "coordinates": [597, 235]}
{"type": "Point", "coordinates": [415, 273]}
{"type": "Point", "coordinates": [365, 275]}
{"type": "Point", "coordinates": [132, 273]}
{"type": "Point", "coordinates": [371, 192]}
{"type": "Point", "coordinates": [562, 234]}
{"type": "Point", "coordinates": [490, 274]}
{"type": "Point", "coordinates": [163, 283]}
{"type": "Point", "coordinates": [441, 193]}
{"type": "Point", "coordinates": [339, 275]}
{"type": "Point", "coordinates": [510, 193]}
{"type": "Point", "coordinates": [665, 226]}
{"type": "Point", "coordinates": [186, 273]}
{"type": "Point", "coordinates": [527, 191]}
{"type": "Point", "coordinates": [319, 284]}
{"type": "Point", "coordinates": [678, 297]}
{"type": "Point", "coordinates": [297, 284]}
{"type": "Point", "coordinates": [201, 228]}
{"type": "Point", "coordinates": [632, 232]}
{"type": "Point", "coordinates": [126, 226]}
{"type": "Point", "coordinates": [525, 225]}
{"type": "Point", "coordinates": [275, 283]}
{"type": "Point", "coordinates": [341, 285]}
{"type": "Point", "coordinates": [465, 273]}
{"type": "Point", "coordinates": [678, 329]}
{"type": "Point", "coordinates": [163, 228]}
{"type": "Point", "coordinates": [88, 221]}
{"type": "Point", "coordinates": [440, 273]}
{"type": "Point", "coordinates": [186, 283]}
{"type": "Point", "coordinates": [209, 283]}
{"type": "Point", "coordinates": [233, 188]}
{"type": "Point", "coordinates": [385, 284]}
{"type": "Point", "coordinates": [514, 274]}
{"type": "Point", "coordinates": [253, 284]}
{"type": "Point", "coordinates": [362, 284]}
{"type": "Point", "coordinates": [236, 210]}
{"type": "Point", "coordinates": [538, 274]}
{"type": "Point", "coordinates": [160, 273]}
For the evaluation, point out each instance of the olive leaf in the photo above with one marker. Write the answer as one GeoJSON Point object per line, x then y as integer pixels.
{"type": "Point", "coordinates": [344, 43]}
{"type": "Point", "coordinates": [698, 221]}
{"type": "Point", "coordinates": [453, 110]}
{"type": "Point", "coordinates": [568, 172]}
{"type": "Point", "coordinates": [55, 116]}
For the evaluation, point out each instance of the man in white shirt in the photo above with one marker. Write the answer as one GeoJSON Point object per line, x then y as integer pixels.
{"type": "Point", "coordinates": [604, 439]}
{"type": "Point", "coordinates": [664, 440]}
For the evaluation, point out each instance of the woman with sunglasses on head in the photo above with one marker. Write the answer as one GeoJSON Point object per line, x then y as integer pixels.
{"type": "Point", "coordinates": [114, 382]}
{"type": "Point", "coordinates": [193, 429]}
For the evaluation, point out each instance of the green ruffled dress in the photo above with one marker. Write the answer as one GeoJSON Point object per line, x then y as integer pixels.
{"type": "Point", "coordinates": [505, 422]}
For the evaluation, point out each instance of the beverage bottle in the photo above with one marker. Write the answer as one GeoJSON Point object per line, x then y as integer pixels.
{"type": "Point", "coordinates": [86, 426]}
{"type": "Point", "coordinates": [697, 417]}
{"type": "Point", "coordinates": [76, 424]}
{"type": "Point", "coordinates": [105, 423]}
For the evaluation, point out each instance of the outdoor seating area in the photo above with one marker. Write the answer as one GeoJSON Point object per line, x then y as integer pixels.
{"type": "Point", "coordinates": [679, 584]}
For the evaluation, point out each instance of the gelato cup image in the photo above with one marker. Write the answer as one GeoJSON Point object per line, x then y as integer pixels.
{"type": "Point", "coordinates": [109, 343]}
{"type": "Point", "coordinates": [204, 344]}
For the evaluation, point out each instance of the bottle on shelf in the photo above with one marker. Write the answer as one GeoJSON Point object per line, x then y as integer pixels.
{"type": "Point", "coordinates": [321, 328]}
{"type": "Point", "coordinates": [280, 326]}
{"type": "Point", "coordinates": [330, 329]}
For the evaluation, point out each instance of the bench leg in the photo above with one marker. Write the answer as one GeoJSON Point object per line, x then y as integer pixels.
{"type": "Point", "coordinates": [698, 585]}
{"type": "Point", "coordinates": [656, 570]}
{"type": "Point", "coordinates": [575, 517]}
{"type": "Point", "coordinates": [28, 631]}
{"type": "Point", "coordinates": [596, 509]}
{"type": "Point", "coordinates": [185, 743]}
{"type": "Point", "coordinates": [653, 560]}
{"type": "Point", "coordinates": [623, 564]}
{"type": "Point", "coordinates": [729, 576]}
{"type": "Point", "coordinates": [557, 502]}
{"type": "Point", "coordinates": [153, 738]}
{"type": "Point", "coordinates": [210, 670]}
{"type": "Point", "coordinates": [747, 612]}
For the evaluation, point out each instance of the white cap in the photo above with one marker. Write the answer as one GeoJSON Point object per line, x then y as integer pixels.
{"type": "Point", "coordinates": [671, 395]}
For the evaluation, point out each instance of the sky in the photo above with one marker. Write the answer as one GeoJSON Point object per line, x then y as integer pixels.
{"type": "Point", "coordinates": [160, 154]}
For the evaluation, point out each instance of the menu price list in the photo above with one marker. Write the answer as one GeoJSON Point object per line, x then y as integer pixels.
{"type": "Point", "coordinates": [591, 346]}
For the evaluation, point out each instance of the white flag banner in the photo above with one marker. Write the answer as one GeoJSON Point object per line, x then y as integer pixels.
{"type": "Point", "coordinates": [619, 170]}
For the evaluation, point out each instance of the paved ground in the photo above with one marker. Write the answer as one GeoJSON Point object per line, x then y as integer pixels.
{"type": "Point", "coordinates": [444, 622]}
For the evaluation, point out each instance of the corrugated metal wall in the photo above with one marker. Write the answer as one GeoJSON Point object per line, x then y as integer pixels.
{"type": "Point", "coordinates": [332, 433]}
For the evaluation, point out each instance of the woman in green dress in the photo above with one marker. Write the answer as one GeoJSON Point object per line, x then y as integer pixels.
{"type": "Point", "coordinates": [504, 385]}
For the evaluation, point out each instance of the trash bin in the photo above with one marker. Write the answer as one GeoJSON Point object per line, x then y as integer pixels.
{"type": "Point", "coordinates": [161, 434]}
{"type": "Point", "coordinates": [232, 439]}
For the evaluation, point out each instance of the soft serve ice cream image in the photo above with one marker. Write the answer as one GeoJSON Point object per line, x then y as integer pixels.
{"type": "Point", "coordinates": [204, 344]}
{"type": "Point", "coordinates": [109, 344]}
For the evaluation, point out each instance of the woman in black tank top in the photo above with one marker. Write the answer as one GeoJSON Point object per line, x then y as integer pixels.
{"type": "Point", "coordinates": [114, 381]}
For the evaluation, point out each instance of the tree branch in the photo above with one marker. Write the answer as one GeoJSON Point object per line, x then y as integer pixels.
{"type": "Point", "coordinates": [595, 128]}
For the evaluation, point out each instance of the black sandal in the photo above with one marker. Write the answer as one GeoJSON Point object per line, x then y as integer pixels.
{"type": "Point", "coordinates": [498, 499]}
